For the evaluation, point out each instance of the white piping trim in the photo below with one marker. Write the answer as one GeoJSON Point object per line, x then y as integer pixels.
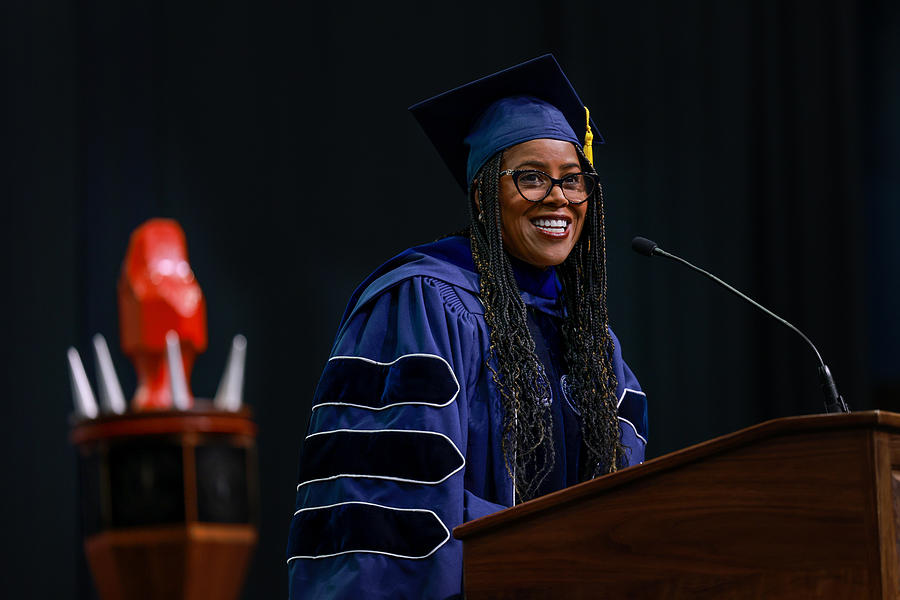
{"type": "Point", "coordinates": [446, 539]}
{"type": "Point", "coordinates": [515, 456]}
{"type": "Point", "coordinates": [633, 427]}
{"type": "Point", "coordinates": [625, 391]}
{"type": "Point", "coordinates": [621, 398]}
{"type": "Point", "coordinates": [384, 364]}
{"type": "Point", "coordinates": [385, 477]}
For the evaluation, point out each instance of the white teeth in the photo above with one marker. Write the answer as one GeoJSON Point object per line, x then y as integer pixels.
{"type": "Point", "coordinates": [551, 223]}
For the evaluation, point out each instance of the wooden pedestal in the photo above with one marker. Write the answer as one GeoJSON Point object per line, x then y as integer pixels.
{"type": "Point", "coordinates": [169, 503]}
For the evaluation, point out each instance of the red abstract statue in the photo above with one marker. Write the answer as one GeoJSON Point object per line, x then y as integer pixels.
{"type": "Point", "coordinates": [158, 294]}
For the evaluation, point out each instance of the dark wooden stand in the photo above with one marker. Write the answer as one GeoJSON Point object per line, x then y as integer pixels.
{"type": "Point", "coordinates": [169, 503]}
{"type": "Point", "coordinates": [801, 507]}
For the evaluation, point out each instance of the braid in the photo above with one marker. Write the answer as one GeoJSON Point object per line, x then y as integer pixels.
{"type": "Point", "coordinates": [588, 342]}
{"type": "Point", "coordinates": [527, 432]}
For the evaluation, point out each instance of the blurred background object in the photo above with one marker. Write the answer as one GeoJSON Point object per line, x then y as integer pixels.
{"type": "Point", "coordinates": [168, 490]}
{"type": "Point", "coordinates": [758, 138]}
{"type": "Point", "coordinates": [159, 298]}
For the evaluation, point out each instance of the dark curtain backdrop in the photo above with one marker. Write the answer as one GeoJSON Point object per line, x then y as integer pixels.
{"type": "Point", "coordinates": [758, 138]}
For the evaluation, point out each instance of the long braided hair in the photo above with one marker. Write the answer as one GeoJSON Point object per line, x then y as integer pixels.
{"type": "Point", "coordinates": [527, 431]}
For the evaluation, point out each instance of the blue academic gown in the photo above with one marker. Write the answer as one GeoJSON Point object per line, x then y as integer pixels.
{"type": "Point", "coordinates": [404, 435]}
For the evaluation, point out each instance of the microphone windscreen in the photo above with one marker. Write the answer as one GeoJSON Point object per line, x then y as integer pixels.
{"type": "Point", "coordinates": [643, 246]}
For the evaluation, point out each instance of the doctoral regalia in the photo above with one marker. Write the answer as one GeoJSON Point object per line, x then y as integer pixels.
{"type": "Point", "coordinates": [404, 438]}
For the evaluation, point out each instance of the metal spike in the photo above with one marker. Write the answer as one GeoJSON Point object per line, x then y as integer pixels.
{"type": "Point", "coordinates": [111, 397]}
{"type": "Point", "coordinates": [180, 397]}
{"type": "Point", "coordinates": [82, 395]}
{"type": "Point", "coordinates": [230, 393]}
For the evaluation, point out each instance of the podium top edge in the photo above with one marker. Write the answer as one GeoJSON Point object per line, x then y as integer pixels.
{"type": "Point", "coordinates": [872, 419]}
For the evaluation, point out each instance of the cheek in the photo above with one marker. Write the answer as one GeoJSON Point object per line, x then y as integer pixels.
{"type": "Point", "coordinates": [508, 228]}
{"type": "Point", "coordinates": [511, 212]}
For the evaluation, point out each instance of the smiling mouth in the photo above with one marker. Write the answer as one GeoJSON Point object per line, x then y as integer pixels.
{"type": "Point", "coordinates": [552, 227]}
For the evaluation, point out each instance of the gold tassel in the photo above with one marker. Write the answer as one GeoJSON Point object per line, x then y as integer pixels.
{"type": "Point", "coordinates": [588, 138]}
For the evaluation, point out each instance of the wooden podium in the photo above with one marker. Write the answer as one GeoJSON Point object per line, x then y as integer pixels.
{"type": "Point", "coordinates": [801, 507]}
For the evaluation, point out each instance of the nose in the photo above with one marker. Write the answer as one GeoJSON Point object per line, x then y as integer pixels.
{"type": "Point", "coordinates": [556, 196]}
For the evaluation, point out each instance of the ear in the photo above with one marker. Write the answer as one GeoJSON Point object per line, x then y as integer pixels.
{"type": "Point", "coordinates": [477, 195]}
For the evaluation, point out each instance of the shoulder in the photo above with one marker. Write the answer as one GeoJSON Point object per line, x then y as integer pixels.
{"type": "Point", "coordinates": [423, 302]}
{"type": "Point", "coordinates": [441, 269]}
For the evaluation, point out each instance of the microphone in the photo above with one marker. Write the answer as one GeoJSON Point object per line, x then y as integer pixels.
{"type": "Point", "coordinates": [833, 400]}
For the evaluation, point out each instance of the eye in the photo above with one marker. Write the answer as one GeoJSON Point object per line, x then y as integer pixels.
{"type": "Point", "coordinates": [575, 181]}
{"type": "Point", "coordinates": [532, 179]}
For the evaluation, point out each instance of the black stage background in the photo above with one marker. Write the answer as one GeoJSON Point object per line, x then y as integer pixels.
{"type": "Point", "coordinates": [759, 138]}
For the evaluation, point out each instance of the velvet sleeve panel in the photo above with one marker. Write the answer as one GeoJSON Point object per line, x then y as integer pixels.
{"type": "Point", "coordinates": [382, 478]}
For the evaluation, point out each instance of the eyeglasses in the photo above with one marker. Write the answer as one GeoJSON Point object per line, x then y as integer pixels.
{"type": "Point", "coordinates": [535, 185]}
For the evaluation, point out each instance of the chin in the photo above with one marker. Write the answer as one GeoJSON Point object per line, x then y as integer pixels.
{"type": "Point", "coordinates": [558, 257]}
{"type": "Point", "coordinates": [540, 252]}
{"type": "Point", "coordinates": [555, 262]}
{"type": "Point", "coordinates": [547, 260]}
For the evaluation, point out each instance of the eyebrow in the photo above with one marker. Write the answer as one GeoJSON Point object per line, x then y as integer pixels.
{"type": "Point", "coordinates": [542, 165]}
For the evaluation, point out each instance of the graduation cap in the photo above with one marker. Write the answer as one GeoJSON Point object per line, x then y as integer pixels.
{"type": "Point", "coordinates": [470, 124]}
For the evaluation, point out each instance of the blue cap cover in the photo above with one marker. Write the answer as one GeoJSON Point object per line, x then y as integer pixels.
{"type": "Point", "coordinates": [471, 123]}
{"type": "Point", "coordinates": [510, 121]}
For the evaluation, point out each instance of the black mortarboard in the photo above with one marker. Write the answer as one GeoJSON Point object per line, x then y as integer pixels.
{"type": "Point", "coordinates": [471, 123]}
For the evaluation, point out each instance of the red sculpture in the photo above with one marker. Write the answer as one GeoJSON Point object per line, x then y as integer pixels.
{"type": "Point", "coordinates": [158, 294]}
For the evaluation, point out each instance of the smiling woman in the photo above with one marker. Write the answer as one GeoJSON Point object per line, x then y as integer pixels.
{"type": "Point", "coordinates": [474, 372]}
{"type": "Point", "coordinates": [540, 224]}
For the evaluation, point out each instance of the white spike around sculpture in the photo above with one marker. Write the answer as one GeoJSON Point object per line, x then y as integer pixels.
{"type": "Point", "coordinates": [229, 396]}
{"type": "Point", "coordinates": [112, 400]}
{"type": "Point", "coordinates": [82, 395]}
{"type": "Point", "coordinates": [181, 399]}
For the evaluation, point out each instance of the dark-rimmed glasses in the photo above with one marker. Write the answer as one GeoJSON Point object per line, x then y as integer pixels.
{"type": "Point", "coordinates": [535, 186]}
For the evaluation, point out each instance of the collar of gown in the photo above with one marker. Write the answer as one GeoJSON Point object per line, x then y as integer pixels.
{"type": "Point", "coordinates": [536, 281]}
{"type": "Point", "coordinates": [539, 287]}
{"type": "Point", "coordinates": [450, 259]}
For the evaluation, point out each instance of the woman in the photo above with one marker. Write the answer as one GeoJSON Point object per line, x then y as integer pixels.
{"type": "Point", "coordinates": [474, 372]}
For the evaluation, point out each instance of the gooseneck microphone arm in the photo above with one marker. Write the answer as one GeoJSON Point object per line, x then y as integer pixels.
{"type": "Point", "coordinates": [833, 400]}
